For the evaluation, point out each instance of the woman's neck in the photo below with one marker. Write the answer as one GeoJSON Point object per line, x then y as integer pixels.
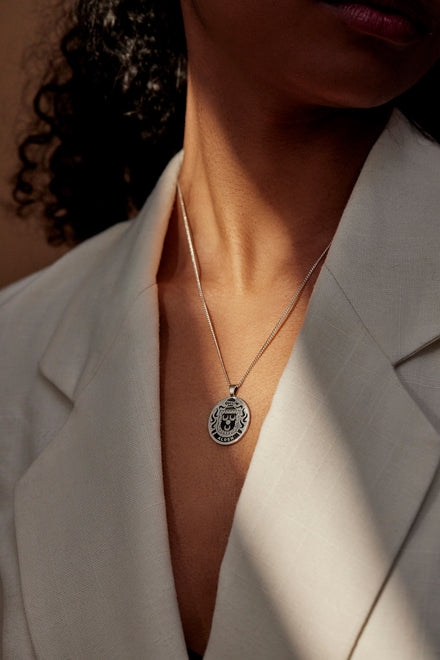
{"type": "Point", "coordinates": [265, 190]}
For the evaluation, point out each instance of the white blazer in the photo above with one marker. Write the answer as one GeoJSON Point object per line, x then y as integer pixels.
{"type": "Point", "coordinates": [334, 551]}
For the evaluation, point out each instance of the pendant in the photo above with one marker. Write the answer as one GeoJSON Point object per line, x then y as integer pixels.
{"type": "Point", "coordinates": [229, 419]}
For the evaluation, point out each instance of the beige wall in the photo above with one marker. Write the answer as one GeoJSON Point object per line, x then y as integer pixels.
{"type": "Point", "coordinates": [23, 23]}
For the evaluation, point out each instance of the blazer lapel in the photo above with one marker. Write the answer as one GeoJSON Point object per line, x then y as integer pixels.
{"type": "Point", "coordinates": [90, 513]}
{"type": "Point", "coordinates": [341, 469]}
{"type": "Point", "coordinates": [346, 456]}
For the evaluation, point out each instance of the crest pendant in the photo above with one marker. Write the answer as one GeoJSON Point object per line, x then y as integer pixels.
{"type": "Point", "coordinates": [229, 420]}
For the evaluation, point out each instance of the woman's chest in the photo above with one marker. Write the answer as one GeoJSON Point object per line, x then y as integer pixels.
{"type": "Point", "coordinates": [203, 479]}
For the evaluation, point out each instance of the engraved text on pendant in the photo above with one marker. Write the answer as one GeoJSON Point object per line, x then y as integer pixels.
{"type": "Point", "coordinates": [229, 420]}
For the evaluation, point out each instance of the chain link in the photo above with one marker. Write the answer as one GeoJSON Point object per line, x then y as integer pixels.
{"type": "Point", "coordinates": [278, 325]}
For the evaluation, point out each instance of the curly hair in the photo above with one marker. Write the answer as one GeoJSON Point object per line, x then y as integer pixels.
{"type": "Point", "coordinates": [110, 115]}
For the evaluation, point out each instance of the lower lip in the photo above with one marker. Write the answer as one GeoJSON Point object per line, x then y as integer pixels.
{"type": "Point", "coordinates": [375, 22]}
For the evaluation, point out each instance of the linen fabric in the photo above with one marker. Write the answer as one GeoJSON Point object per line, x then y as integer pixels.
{"type": "Point", "coordinates": [334, 551]}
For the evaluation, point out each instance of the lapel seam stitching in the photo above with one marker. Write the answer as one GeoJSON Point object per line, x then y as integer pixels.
{"type": "Point", "coordinates": [395, 363]}
{"type": "Point", "coordinates": [366, 328]}
{"type": "Point", "coordinates": [417, 350]}
{"type": "Point", "coordinates": [395, 561]}
{"type": "Point", "coordinates": [78, 392]}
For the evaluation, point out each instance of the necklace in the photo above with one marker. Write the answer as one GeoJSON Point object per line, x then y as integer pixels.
{"type": "Point", "coordinates": [230, 417]}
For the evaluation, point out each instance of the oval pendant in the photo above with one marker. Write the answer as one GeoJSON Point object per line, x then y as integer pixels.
{"type": "Point", "coordinates": [229, 420]}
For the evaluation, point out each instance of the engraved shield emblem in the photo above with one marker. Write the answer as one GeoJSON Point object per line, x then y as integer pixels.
{"type": "Point", "coordinates": [229, 420]}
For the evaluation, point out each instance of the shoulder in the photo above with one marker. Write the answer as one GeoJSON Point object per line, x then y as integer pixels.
{"type": "Point", "coordinates": [31, 308]}
{"type": "Point", "coordinates": [88, 288]}
{"type": "Point", "coordinates": [59, 279]}
{"type": "Point", "coordinates": [47, 289]}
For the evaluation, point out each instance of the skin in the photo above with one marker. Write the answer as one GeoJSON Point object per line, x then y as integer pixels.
{"type": "Point", "coordinates": [284, 103]}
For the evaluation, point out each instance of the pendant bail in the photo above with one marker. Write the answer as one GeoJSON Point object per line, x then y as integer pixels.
{"type": "Point", "coordinates": [233, 390]}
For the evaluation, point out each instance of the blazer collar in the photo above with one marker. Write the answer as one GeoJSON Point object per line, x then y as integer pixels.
{"type": "Point", "coordinates": [342, 465]}
{"type": "Point", "coordinates": [346, 457]}
{"type": "Point", "coordinates": [90, 512]}
{"type": "Point", "coordinates": [322, 514]}
{"type": "Point", "coordinates": [386, 249]}
{"type": "Point", "coordinates": [119, 274]}
{"type": "Point", "coordinates": [384, 253]}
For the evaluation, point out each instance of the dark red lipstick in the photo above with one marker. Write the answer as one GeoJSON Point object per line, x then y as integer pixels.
{"type": "Point", "coordinates": [399, 21]}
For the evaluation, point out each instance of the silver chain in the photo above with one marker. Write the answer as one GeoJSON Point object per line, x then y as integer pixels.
{"type": "Point", "coordinates": [234, 388]}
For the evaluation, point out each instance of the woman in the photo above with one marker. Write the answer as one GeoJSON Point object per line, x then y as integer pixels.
{"type": "Point", "coordinates": [314, 534]}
